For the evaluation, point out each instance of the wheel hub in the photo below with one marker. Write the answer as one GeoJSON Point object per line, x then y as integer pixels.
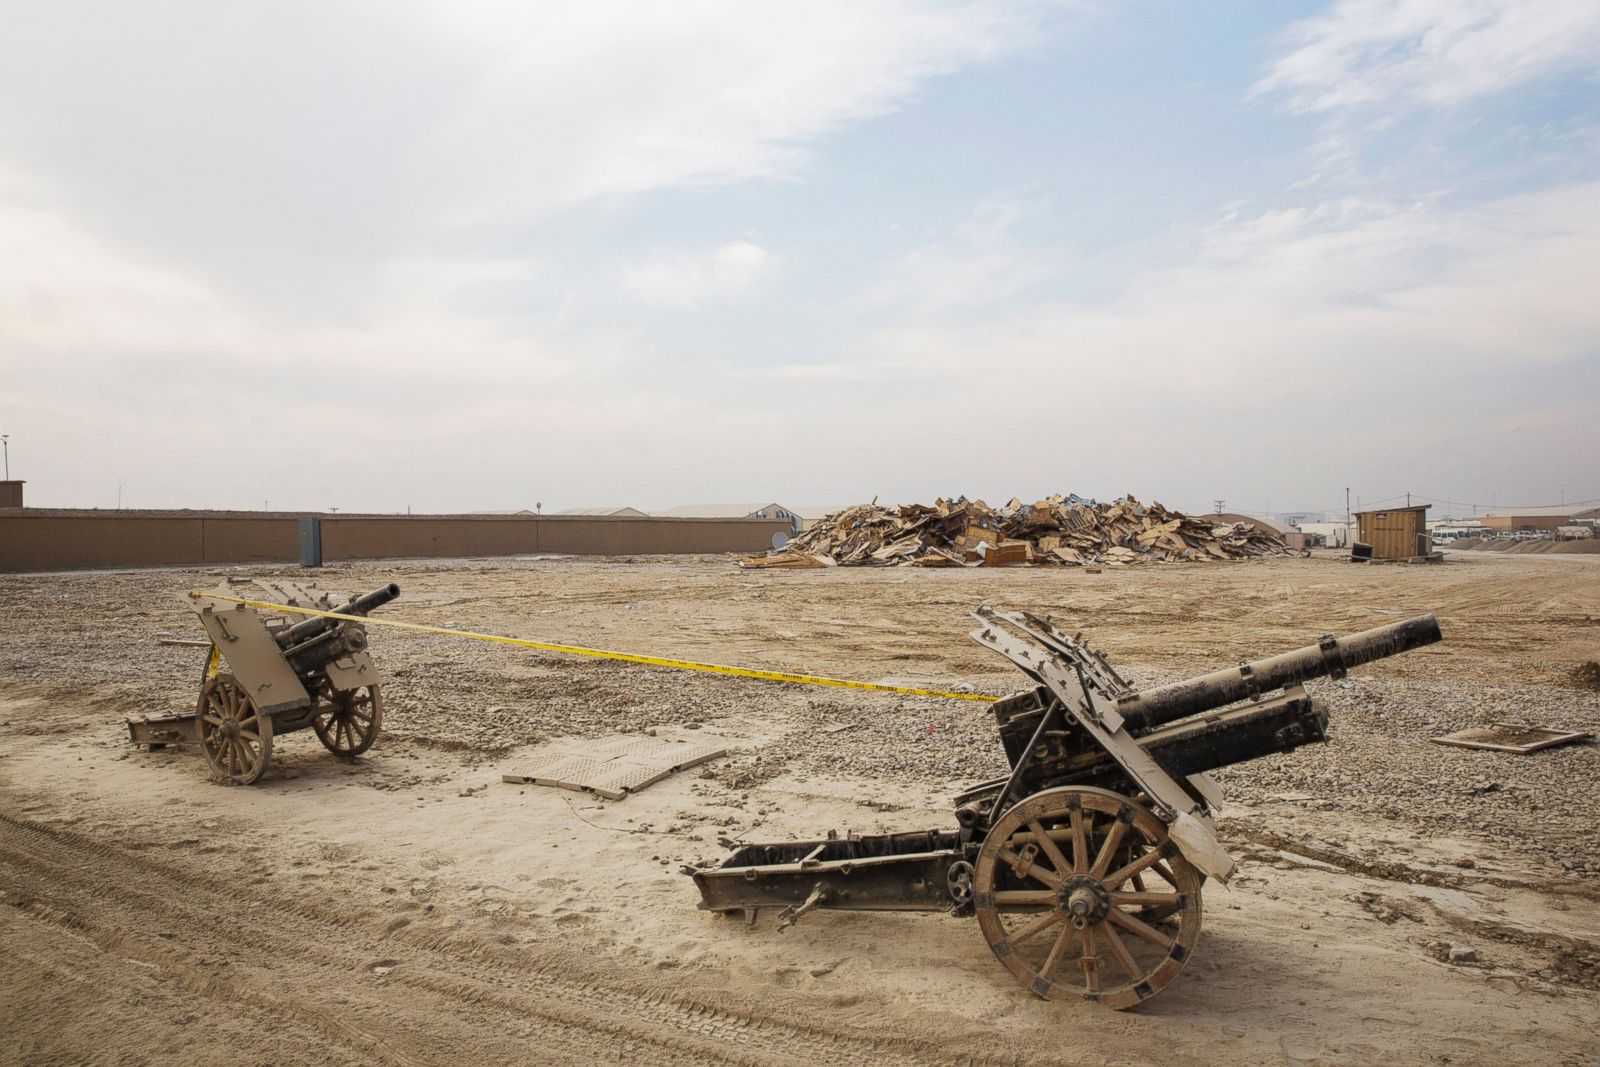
{"type": "Point", "coordinates": [1084, 899]}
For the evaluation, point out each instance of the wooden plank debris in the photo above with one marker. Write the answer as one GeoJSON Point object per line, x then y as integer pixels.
{"type": "Point", "coordinates": [1511, 737]}
{"type": "Point", "coordinates": [1006, 553]}
{"type": "Point", "coordinates": [1056, 531]}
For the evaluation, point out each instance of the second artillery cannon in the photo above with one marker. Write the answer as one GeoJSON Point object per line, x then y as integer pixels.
{"type": "Point", "coordinates": [1084, 865]}
{"type": "Point", "coordinates": [266, 675]}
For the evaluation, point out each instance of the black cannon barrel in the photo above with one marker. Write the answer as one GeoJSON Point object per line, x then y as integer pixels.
{"type": "Point", "coordinates": [1237, 735]}
{"type": "Point", "coordinates": [319, 651]}
{"type": "Point", "coordinates": [1167, 703]}
{"type": "Point", "coordinates": [359, 605]}
{"type": "Point", "coordinates": [371, 601]}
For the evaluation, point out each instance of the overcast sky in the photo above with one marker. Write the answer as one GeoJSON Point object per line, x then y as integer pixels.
{"type": "Point", "coordinates": [464, 255]}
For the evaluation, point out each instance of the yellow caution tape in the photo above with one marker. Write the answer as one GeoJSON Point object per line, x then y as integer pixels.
{"type": "Point", "coordinates": [600, 653]}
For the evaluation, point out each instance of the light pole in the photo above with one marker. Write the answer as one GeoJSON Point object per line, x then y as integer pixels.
{"type": "Point", "coordinates": [5, 445]}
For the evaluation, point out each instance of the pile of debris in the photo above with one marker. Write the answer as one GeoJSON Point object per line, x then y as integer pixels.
{"type": "Point", "coordinates": [1062, 530]}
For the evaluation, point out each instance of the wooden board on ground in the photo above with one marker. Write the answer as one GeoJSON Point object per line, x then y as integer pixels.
{"type": "Point", "coordinates": [612, 767]}
{"type": "Point", "coordinates": [1511, 737]}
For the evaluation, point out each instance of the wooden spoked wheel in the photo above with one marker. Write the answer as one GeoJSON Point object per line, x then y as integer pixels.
{"type": "Point", "coordinates": [236, 739]}
{"type": "Point", "coordinates": [1080, 893]}
{"type": "Point", "coordinates": [349, 722]}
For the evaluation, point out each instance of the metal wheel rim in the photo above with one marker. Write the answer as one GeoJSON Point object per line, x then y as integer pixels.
{"type": "Point", "coordinates": [349, 723]}
{"type": "Point", "coordinates": [1146, 932]}
{"type": "Point", "coordinates": [235, 738]}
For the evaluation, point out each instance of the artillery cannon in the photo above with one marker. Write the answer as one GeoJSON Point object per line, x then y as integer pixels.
{"type": "Point", "coordinates": [282, 676]}
{"type": "Point", "coordinates": [1084, 865]}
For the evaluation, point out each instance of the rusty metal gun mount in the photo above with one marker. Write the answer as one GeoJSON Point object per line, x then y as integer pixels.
{"type": "Point", "coordinates": [1084, 865]}
{"type": "Point", "coordinates": [284, 672]}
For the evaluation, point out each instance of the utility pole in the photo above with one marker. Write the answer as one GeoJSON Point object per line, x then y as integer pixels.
{"type": "Point", "coordinates": [1220, 504]}
{"type": "Point", "coordinates": [1347, 514]}
{"type": "Point", "coordinates": [5, 442]}
{"type": "Point", "coordinates": [1408, 498]}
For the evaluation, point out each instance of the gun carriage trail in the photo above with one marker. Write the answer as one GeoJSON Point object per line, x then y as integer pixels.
{"type": "Point", "coordinates": [1394, 899]}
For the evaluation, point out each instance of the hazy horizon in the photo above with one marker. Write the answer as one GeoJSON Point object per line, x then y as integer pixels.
{"type": "Point", "coordinates": [475, 256]}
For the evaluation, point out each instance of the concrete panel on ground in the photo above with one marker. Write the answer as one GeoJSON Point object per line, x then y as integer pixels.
{"type": "Point", "coordinates": [612, 767]}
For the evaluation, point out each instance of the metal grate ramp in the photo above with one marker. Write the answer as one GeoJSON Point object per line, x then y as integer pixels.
{"type": "Point", "coordinates": [612, 767]}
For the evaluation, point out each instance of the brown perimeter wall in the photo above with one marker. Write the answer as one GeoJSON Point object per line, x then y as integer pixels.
{"type": "Point", "coordinates": [36, 539]}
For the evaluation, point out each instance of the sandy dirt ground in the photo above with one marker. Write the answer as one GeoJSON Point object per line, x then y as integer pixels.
{"type": "Point", "coordinates": [411, 908]}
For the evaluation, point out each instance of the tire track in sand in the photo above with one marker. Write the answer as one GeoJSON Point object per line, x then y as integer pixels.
{"type": "Point", "coordinates": [308, 956]}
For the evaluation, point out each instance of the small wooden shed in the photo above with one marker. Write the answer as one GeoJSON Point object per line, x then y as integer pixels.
{"type": "Point", "coordinates": [1395, 533]}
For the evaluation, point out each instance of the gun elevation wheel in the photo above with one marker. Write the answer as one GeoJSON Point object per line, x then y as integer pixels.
{"type": "Point", "coordinates": [236, 739]}
{"type": "Point", "coordinates": [1079, 892]}
{"type": "Point", "coordinates": [349, 722]}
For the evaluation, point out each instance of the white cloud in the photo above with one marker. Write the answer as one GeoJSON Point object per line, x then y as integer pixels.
{"type": "Point", "coordinates": [1398, 53]}
{"type": "Point", "coordinates": [76, 310]}
{"type": "Point", "coordinates": [1256, 355]}
{"type": "Point", "coordinates": [874, 371]}
{"type": "Point", "coordinates": [259, 220]}
{"type": "Point", "coordinates": [982, 263]}
{"type": "Point", "coordinates": [287, 148]}
{"type": "Point", "coordinates": [119, 374]}
{"type": "Point", "coordinates": [1364, 282]}
{"type": "Point", "coordinates": [1268, 338]}
{"type": "Point", "coordinates": [181, 184]}
{"type": "Point", "coordinates": [685, 280]}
